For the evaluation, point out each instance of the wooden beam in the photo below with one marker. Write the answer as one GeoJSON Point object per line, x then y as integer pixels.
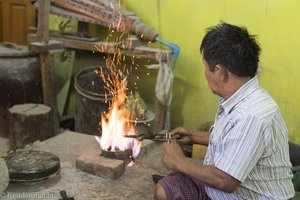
{"type": "Point", "coordinates": [106, 47]}
{"type": "Point", "coordinates": [46, 60]}
{"type": "Point", "coordinates": [39, 47]}
{"type": "Point", "coordinates": [49, 92]}
{"type": "Point", "coordinates": [43, 20]}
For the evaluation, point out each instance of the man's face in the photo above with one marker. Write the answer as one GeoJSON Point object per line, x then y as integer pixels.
{"type": "Point", "coordinates": [211, 78]}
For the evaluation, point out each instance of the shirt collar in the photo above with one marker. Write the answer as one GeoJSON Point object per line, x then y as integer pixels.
{"type": "Point", "coordinates": [240, 94]}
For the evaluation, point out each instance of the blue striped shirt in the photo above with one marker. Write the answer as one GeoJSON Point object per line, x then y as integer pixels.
{"type": "Point", "coordinates": [249, 141]}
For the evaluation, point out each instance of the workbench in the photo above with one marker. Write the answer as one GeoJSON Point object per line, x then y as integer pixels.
{"type": "Point", "coordinates": [135, 183]}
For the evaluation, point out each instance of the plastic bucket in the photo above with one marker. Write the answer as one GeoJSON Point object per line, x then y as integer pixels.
{"type": "Point", "coordinates": [91, 100]}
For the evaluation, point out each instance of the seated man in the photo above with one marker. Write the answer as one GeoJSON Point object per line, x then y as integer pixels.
{"type": "Point", "coordinates": [248, 154]}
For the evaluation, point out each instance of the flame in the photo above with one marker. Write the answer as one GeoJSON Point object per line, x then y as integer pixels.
{"type": "Point", "coordinates": [116, 125]}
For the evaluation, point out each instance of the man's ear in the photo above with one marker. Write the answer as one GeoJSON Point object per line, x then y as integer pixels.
{"type": "Point", "coordinates": [222, 73]}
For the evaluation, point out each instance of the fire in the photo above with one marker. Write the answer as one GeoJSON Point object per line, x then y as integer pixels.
{"type": "Point", "coordinates": [116, 125]}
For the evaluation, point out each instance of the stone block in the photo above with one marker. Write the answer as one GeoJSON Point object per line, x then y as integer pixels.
{"type": "Point", "coordinates": [92, 162]}
{"type": "Point", "coordinates": [101, 166]}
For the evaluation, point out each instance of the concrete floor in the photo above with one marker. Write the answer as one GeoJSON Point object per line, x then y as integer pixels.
{"type": "Point", "coordinates": [135, 183]}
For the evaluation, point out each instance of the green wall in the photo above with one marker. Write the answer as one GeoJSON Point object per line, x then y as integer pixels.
{"type": "Point", "coordinates": [276, 23]}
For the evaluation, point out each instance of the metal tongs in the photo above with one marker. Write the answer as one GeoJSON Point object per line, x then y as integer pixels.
{"type": "Point", "coordinates": [168, 136]}
{"type": "Point", "coordinates": [163, 136]}
{"type": "Point", "coordinates": [139, 137]}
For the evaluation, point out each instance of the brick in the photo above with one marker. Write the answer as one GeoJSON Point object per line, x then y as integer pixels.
{"type": "Point", "coordinates": [100, 166]}
{"type": "Point", "coordinates": [91, 162]}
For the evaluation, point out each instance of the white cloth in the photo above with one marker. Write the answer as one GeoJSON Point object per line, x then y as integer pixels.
{"type": "Point", "coordinates": [164, 80]}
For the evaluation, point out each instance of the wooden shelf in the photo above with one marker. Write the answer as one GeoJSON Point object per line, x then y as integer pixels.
{"type": "Point", "coordinates": [104, 47]}
{"type": "Point", "coordinates": [45, 41]}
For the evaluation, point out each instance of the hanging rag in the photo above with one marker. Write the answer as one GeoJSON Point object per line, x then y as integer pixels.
{"type": "Point", "coordinates": [164, 80]}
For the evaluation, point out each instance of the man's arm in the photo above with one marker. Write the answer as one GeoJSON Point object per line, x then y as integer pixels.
{"type": "Point", "coordinates": [200, 137]}
{"type": "Point", "coordinates": [191, 137]}
{"type": "Point", "coordinates": [174, 159]}
{"type": "Point", "coordinates": [209, 175]}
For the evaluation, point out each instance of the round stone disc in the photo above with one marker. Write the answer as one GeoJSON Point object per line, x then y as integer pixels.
{"type": "Point", "coordinates": [31, 165]}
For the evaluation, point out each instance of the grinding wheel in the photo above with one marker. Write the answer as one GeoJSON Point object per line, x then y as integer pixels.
{"type": "Point", "coordinates": [31, 165]}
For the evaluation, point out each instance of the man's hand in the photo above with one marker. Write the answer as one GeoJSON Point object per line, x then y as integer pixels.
{"type": "Point", "coordinates": [172, 155]}
{"type": "Point", "coordinates": [183, 135]}
{"type": "Point", "coordinates": [174, 159]}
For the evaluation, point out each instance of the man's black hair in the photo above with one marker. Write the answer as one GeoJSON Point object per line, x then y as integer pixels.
{"type": "Point", "coordinates": [231, 47]}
